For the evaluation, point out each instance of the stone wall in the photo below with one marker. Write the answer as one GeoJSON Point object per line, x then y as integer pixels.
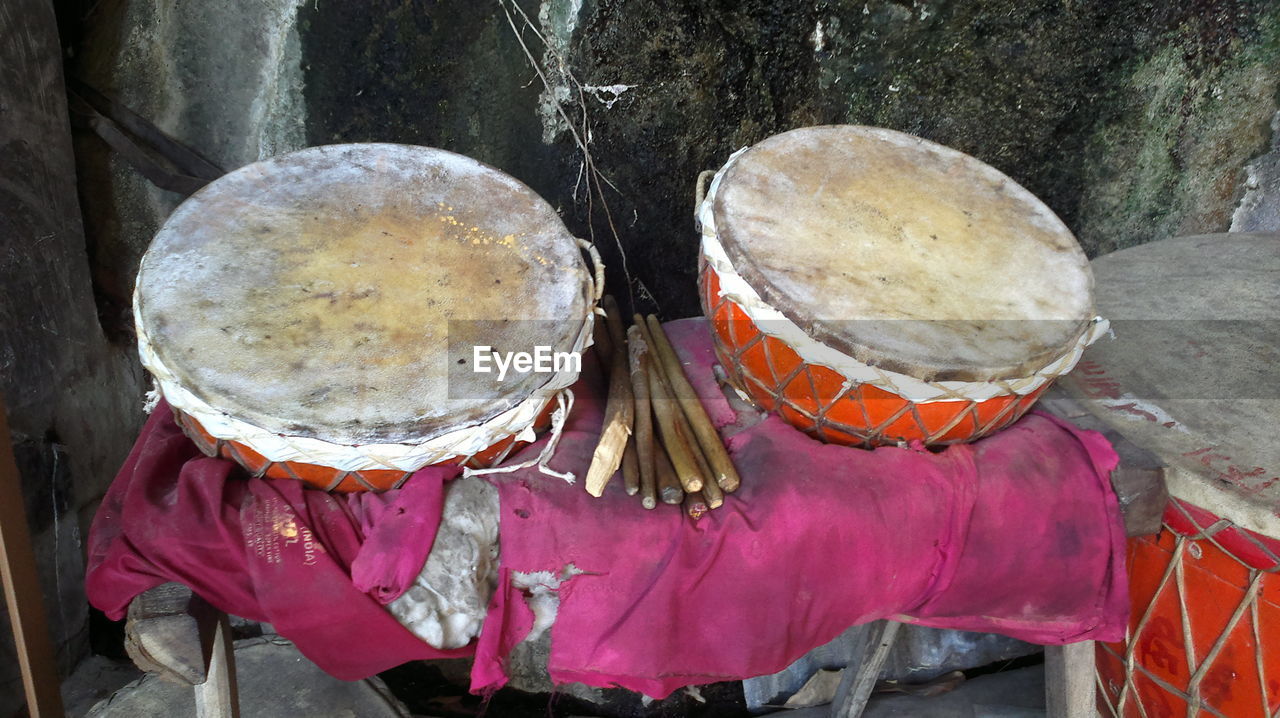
{"type": "Point", "coordinates": [1133, 119]}
{"type": "Point", "coordinates": [73, 399]}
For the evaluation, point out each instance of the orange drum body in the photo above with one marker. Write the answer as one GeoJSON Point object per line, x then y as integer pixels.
{"type": "Point", "coordinates": [1204, 635]}
{"type": "Point", "coordinates": [1192, 377]}
{"type": "Point", "coordinates": [820, 402]}
{"type": "Point", "coordinates": [323, 315]}
{"type": "Point", "coordinates": [858, 282]}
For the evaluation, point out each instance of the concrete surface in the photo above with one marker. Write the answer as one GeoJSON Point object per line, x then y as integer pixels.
{"type": "Point", "coordinates": [1012, 694]}
{"type": "Point", "coordinates": [1193, 373]}
{"type": "Point", "coordinates": [273, 679]}
{"type": "Point", "coordinates": [94, 680]}
{"type": "Point", "coordinates": [919, 654]}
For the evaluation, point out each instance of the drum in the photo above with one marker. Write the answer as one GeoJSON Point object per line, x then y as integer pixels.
{"type": "Point", "coordinates": [316, 316]}
{"type": "Point", "coordinates": [1194, 377]}
{"type": "Point", "coordinates": [872, 287]}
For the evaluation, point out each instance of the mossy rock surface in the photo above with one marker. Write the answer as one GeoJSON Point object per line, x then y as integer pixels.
{"type": "Point", "coordinates": [1132, 119]}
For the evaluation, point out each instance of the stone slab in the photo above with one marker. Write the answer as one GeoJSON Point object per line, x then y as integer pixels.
{"type": "Point", "coordinates": [1193, 373]}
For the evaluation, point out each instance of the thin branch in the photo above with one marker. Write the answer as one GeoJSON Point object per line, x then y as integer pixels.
{"type": "Point", "coordinates": [593, 175]}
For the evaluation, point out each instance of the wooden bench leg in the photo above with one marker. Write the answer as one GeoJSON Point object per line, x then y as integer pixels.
{"type": "Point", "coordinates": [21, 588]}
{"type": "Point", "coordinates": [863, 670]}
{"type": "Point", "coordinates": [1069, 681]}
{"type": "Point", "coordinates": [217, 696]}
{"type": "Point", "coordinates": [175, 633]}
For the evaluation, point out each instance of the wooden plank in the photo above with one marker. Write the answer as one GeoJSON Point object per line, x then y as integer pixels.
{"type": "Point", "coordinates": [1143, 495]}
{"type": "Point", "coordinates": [217, 697]}
{"type": "Point", "coordinates": [1070, 681]}
{"type": "Point", "coordinates": [864, 667]}
{"type": "Point", "coordinates": [163, 633]}
{"type": "Point", "coordinates": [22, 592]}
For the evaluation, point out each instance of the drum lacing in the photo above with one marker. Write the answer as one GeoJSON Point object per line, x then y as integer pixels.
{"type": "Point", "coordinates": [558, 418]}
{"type": "Point", "coordinates": [1175, 572]}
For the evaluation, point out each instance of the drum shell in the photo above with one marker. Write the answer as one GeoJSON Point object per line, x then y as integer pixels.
{"type": "Point", "coordinates": [1204, 629]}
{"type": "Point", "coordinates": [328, 478]}
{"type": "Point", "coordinates": [829, 406]}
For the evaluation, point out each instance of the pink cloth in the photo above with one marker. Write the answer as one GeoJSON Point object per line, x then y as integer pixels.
{"type": "Point", "coordinates": [316, 566]}
{"type": "Point", "coordinates": [1018, 534]}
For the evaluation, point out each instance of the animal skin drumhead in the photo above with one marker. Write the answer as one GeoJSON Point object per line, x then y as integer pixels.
{"type": "Point", "coordinates": [336, 292]}
{"type": "Point", "coordinates": [903, 254]}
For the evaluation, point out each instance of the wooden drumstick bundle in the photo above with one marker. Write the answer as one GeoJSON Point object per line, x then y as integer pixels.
{"type": "Point", "coordinates": [684, 460]}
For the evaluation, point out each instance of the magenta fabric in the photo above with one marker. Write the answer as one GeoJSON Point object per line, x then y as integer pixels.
{"type": "Point", "coordinates": [266, 550]}
{"type": "Point", "coordinates": [1019, 534]}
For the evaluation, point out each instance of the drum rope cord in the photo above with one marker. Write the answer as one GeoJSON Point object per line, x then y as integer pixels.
{"type": "Point", "coordinates": [1175, 573]}
{"type": "Point", "coordinates": [1208, 533]}
{"type": "Point", "coordinates": [563, 407]}
{"type": "Point", "coordinates": [597, 276]}
{"type": "Point", "coordinates": [773, 322]}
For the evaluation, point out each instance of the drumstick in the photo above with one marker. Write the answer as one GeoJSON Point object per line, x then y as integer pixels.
{"type": "Point", "coordinates": [630, 469]}
{"type": "Point", "coordinates": [695, 505]}
{"type": "Point", "coordinates": [713, 494]}
{"type": "Point", "coordinates": [619, 412]}
{"type": "Point", "coordinates": [677, 445]}
{"type": "Point", "coordinates": [617, 335]}
{"type": "Point", "coordinates": [648, 496]}
{"type": "Point", "coordinates": [708, 438]}
{"type": "Point", "coordinates": [684, 429]}
{"type": "Point", "coordinates": [711, 491]}
{"type": "Point", "coordinates": [638, 351]}
{"type": "Point", "coordinates": [668, 485]}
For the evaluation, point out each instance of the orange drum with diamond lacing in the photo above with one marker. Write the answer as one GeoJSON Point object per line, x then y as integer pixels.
{"type": "Point", "coordinates": [314, 316]}
{"type": "Point", "coordinates": [872, 287]}
{"type": "Point", "coordinates": [1193, 377]}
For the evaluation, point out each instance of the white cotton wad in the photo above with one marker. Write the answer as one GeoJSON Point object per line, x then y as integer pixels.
{"type": "Point", "coordinates": [447, 603]}
{"type": "Point", "coordinates": [540, 594]}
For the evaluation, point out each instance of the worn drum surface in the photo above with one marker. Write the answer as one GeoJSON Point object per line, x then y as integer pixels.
{"type": "Point", "coordinates": [873, 287]}
{"type": "Point", "coordinates": [1193, 375]}
{"type": "Point", "coordinates": [312, 316]}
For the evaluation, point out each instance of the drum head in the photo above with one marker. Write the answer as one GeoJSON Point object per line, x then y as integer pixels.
{"type": "Point", "coordinates": [333, 293]}
{"type": "Point", "coordinates": [904, 254]}
{"type": "Point", "coordinates": [1193, 374]}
